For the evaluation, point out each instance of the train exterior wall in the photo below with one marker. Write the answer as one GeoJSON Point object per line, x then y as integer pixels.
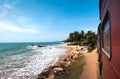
{"type": "Point", "coordinates": [110, 66]}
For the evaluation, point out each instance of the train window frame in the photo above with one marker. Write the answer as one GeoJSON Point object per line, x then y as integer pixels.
{"type": "Point", "coordinates": [107, 31]}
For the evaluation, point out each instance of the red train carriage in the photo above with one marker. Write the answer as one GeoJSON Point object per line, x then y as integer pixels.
{"type": "Point", "coordinates": [109, 39]}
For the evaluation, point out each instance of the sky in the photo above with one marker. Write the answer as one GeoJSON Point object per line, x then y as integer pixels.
{"type": "Point", "coordinates": [46, 20]}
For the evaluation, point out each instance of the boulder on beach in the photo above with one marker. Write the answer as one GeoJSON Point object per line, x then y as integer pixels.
{"type": "Point", "coordinates": [58, 69]}
{"type": "Point", "coordinates": [67, 64]}
{"type": "Point", "coordinates": [40, 46]}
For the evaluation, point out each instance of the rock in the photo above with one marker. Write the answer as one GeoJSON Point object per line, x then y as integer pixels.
{"type": "Point", "coordinates": [73, 60]}
{"type": "Point", "coordinates": [67, 64]}
{"type": "Point", "coordinates": [40, 46]}
{"type": "Point", "coordinates": [51, 76]}
{"type": "Point", "coordinates": [62, 73]}
{"type": "Point", "coordinates": [58, 69]}
{"type": "Point", "coordinates": [82, 49]}
{"type": "Point", "coordinates": [56, 65]}
{"type": "Point", "coordinates": [45, 73]}
{"type": "Point", "coordinates": [75, 56]}
{"type": "Point", "coordinates": [81, 55]}
{"type": "Point", "coordinates": [68, 59]}
{"type": "Point", "coordinates": [71, 56]}
{"type": "Point", "coordinates": [76, 52]}
{"type": "Point", "coordinates": [62, 65]}
{"type": "Point", "coordinates": [65, 59]}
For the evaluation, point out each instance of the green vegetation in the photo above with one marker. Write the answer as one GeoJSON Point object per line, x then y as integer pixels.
{"type": "Point", "coordinates": [81, 38]}
{"type": "Point", "coordinates": [75, 69]}
{"type": "Point", "coordinates": [91, 39]}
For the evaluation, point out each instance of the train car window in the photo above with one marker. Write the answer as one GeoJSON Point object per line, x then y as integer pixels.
{"type": "Point", "coordinates": [106, 38]}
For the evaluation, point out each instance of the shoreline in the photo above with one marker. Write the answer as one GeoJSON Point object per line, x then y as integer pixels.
{"type": "Point", "coordinates": [67, 53]}
{"type": "Point", "coordinates": [61, 60]}
{"type": "Point", "coordinates": [70, 51]}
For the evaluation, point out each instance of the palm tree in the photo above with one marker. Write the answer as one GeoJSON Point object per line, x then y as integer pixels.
{"type": "Point", "coordinates": [88, 38]}
{"type": "Point", "coordinates": [74, 37]}
{"type": "Point", "coordinates": [91, 38]}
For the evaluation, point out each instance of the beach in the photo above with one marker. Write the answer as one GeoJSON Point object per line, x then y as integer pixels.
{"type": "Point", "coordinates": [27, 60]}
{"type": "Point", "coordinates": [76, 63]}
{"type": "Point", "coordinates": [65, 60]}
{"type": "Point", "coordinates": [67, 53]}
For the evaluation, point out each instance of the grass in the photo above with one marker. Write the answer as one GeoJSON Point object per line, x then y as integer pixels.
{"type": "Point", "coordinates": [74, 69]}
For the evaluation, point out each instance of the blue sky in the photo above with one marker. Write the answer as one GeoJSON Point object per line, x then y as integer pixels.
{"type": "Point", "coordinates": [46, 20]}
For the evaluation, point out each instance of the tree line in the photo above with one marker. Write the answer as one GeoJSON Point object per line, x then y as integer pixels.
{"type": "Point", "coordinates": [81, 38]}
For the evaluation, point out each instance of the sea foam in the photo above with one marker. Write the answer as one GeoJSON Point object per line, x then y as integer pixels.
{"type": "Point", "coordinates": [30, 66]}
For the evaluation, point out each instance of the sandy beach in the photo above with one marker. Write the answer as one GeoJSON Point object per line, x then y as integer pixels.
{"type": "Point", "coordinates": [70, 54]}
{"type": "Point", "coordinates": [89, 70]}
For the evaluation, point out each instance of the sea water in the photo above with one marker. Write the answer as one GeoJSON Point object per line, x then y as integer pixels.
{"type": "Point", "coordinates": [27, 60]}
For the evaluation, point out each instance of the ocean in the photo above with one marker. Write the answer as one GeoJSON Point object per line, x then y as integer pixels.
{"type": "Point", "coordinates": [27, 60]}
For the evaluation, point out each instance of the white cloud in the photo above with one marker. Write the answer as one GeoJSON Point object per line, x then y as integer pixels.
{"type": "Point", "coordinates": [8, 9]}
{"type": "Point", "coordinates": [3, 13]}
{"type": "Point", "coordinates": [5, 26]}
{"type": "Point", "coordinates": [8, 6]}
{"type": "Point", "coordinates": [22, 19]}
{"type": "Point", "coordinates": [5, 10]}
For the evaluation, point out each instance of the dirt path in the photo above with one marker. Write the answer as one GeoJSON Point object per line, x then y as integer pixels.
{"type": "Point", "coordinates": [90, 70]}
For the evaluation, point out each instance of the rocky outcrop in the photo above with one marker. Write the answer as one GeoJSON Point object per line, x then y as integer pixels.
{"type": "Point", "coordinates": [53, 71]}
{"type": "Point", "coordinates": [60, 69]}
